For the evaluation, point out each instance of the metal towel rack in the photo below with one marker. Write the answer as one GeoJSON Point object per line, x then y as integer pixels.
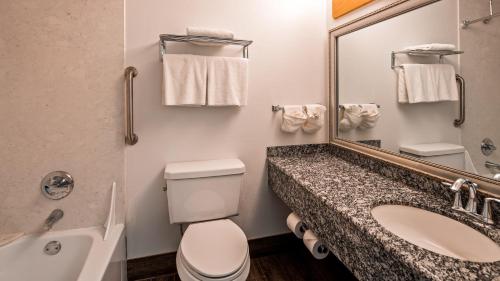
{"type": "Point", "coordinates": [201, 39]}
{"type": "Point", "coordinates": [440, 53]}
{"type": "Point", "coordinates": [485, 20]}
{"type": "Point", "coordinates": [460, 80]}
{"type": "Point", "coordinates": [341, 106]}
{"type": "Point", "coordinates": [130, 137]}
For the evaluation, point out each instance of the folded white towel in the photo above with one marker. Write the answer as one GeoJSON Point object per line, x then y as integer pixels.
{"type": "Point", "coordinates": [227, 81]}
{"type": "Point", "coordinates": [431, 47]}
{"type": "Point", "coordinates": [426, 83]}
{"type": "Point", "coordinates": [293, 118]}
{"type": "Point", "coordinates": [210, 32]}
{"type": "Point", "coordinates": [315, 117]}
{"type": "Point", "coordinates": [350, 117]}
{"type": "Point", "coordinates": [184, 80]}
{"type": "Point", "coordinates": [369, 115]}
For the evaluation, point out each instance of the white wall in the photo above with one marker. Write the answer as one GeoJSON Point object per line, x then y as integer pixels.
{"type": "Point", "coordinates": [365, 55]}
{"type": "Point", "coordinates": [61, 106]}
{"type": "Point", "coordinates": [287, 66]}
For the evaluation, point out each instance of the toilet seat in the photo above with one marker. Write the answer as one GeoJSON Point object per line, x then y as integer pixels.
{"type": "Point", "coordinates": [214, 250]}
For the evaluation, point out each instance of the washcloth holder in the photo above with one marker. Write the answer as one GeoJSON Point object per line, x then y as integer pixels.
{"type": "Point", "coordinates": [200, 39]}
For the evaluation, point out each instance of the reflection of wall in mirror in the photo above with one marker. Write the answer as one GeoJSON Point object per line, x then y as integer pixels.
{"type": "Point", "coordinates": [481, 69]}
{"type": "Point", "coordinates": [365, 76]}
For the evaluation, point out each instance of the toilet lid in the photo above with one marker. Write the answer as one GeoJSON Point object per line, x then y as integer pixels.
{"type": "Point", "coordinates": [214, 248]}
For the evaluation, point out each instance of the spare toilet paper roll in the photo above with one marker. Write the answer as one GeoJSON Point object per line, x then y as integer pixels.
{"type": "Point", "coordinates": [317, 249]}
{"type": "Point", "coordinates": [296, 225]}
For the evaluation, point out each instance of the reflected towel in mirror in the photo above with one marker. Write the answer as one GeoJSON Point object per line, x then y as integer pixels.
{"type": "Point", "coordinates": [350, 117]}
{"type": "Point", "coordinates": [369, 115]}
{"type": "Point", "coordinates": [426, 83]}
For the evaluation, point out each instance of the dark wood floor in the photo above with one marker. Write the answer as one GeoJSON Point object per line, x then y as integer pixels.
{"type": "Point", "coordinates": [294, 263]}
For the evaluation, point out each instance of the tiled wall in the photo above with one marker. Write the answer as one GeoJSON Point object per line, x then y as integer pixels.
{"type": "Point", "coordinates": [61, 67]}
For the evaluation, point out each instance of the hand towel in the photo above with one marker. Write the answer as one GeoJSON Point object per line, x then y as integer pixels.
{"type": "Point", "coordinates": [426, 83]}
{"type": "Point", "coordinates": [431, 47]}
{"type": "Point", "coordinates": [227, 82]}
{"type": "Point", "coordinates": [351, 117]}
{"type": "Point", "coordinates": [369, 116]}
{"type": "Point", "coordinates": [184, 80]}
{"type": "Point", "coordinates": [315, 118]}
{"type": "Point", "coordinates": [293, 118]}
{"type": "Point", "coordinates": [210, 32]}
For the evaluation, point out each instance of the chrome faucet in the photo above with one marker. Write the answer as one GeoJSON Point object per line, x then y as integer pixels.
{"type": "Point", "coordinates": [486, 214]}
{"type": "Point", "coordinates": [54, 217]}
{"type": "Point", "coordinates": [471, 207]}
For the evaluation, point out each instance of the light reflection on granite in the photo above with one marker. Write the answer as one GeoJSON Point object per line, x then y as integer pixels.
{"type": "Point", "coordinates": [335, 196]}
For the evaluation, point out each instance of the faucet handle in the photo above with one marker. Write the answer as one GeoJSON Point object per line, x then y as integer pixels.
{"type": "Point", "coordinates": [457, 201]}
{"type": "Point", "coordinates": [486, 214]}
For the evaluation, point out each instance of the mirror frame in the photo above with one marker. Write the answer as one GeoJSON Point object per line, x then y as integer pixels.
{"type": "Point", "coordinates": [488, 186]}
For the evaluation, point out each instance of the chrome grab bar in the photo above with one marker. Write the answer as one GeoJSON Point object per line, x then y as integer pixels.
{"type": "Point", "coordinates": [130, 137]}
{"type": "Point", "coordinates": [461, 99]}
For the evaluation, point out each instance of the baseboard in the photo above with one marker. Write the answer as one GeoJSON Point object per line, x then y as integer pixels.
{"type": "Point", "coordinates": [164, 264]}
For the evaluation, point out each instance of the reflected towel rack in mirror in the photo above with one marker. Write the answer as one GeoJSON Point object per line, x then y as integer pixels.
{"type": "Point", "coordinates": [201, 39]}
{"type": "Point", "coordinates": [440, 53]}
{"type": "Point", "coordinates": [341, 106]}
{"type": "Point", "coordinates": [485, 20]}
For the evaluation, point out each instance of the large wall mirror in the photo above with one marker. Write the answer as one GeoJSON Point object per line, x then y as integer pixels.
{"type": "Point", "coordinates": [418, 83]}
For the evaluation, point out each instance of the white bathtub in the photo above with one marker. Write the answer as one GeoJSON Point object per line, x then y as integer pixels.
{"type": "Point", "coordinates": [84, 256]}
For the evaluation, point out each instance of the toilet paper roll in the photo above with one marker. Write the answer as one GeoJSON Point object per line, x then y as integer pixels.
{"type": "Point", "coordinates": [296, 225]}
{"type": "Point", "coordinates": [317, 249]}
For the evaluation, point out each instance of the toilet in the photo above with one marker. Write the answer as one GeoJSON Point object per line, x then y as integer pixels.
{"type": "Point", "coordinates": [204, 194]}
{"type": "Point", "coordinates": [447, 154]}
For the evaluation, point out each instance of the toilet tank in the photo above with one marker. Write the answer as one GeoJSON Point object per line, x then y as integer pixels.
{"type": "Point", "coordinates": [447, 154]}
{"type": "Point", "coordinates": [203, 190]}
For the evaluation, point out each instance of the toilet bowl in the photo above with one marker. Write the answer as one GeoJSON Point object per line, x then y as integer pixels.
{"type": "Point", "coordinates": [205, 194]}
{"type": "Point", "coordinates": [213, 250]}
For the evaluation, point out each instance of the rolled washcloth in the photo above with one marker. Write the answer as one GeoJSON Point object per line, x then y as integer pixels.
{"type": "Point", "coordinates": [293, 118]}
{"type": "Point", "coordinates": [209, 32]}
{"type": "Point", "coordinates": [315, 117]}
{"type": "Point", "coordinates": [431, 47]}
{"type": "Point", "coordinates": [369, 115]}
{"type": "Point", "coordinates": [350, 117]}
{"type": "Point", "coordinates": [426, 83]}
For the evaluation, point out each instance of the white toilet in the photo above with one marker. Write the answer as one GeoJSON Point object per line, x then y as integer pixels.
{"type": "Point", "coordinates": [447, 154]}
{"type": "Point", "coordinates": [205, 193]}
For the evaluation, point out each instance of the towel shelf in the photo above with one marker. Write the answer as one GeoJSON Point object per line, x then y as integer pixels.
{"type": "Point", "coordinates": [440, 53]}
{"type": "Point", "coordinates": [201, 39]}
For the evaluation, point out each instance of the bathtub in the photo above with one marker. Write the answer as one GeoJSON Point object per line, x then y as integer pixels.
{"type": "Point", "coordinates": [83, 256]}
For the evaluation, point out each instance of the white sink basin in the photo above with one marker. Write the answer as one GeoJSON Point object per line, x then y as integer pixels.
{"type": "Point", "coordinates": [437, 233]}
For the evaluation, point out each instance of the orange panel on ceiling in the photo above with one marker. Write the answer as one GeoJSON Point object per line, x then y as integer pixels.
{"type": "Point", "coordinates": [342, 7]}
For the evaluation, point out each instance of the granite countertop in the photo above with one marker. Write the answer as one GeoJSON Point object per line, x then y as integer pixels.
{"type": "Point", "coordinates": [335, 197]}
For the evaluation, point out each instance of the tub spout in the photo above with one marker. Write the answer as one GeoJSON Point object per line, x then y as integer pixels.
{"type": "Point", "coordinates": [54, 217]}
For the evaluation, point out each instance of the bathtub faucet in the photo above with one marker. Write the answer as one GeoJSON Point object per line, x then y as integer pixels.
{"type": "Point", "coordinates": [54, 217]}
